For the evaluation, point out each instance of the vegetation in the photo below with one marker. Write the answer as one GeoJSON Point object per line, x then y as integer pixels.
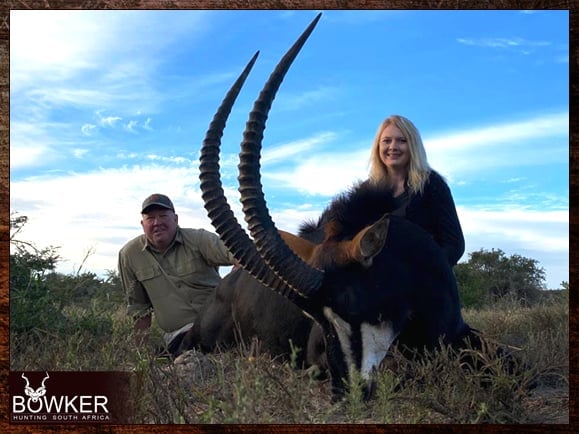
{"type": "Point", "coordinates": [490, 276]}
{"type": "Point", "coordinates": [78, 323]}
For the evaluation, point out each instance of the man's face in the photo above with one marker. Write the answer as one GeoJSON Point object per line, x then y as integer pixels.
{"type": "Point", "coordinates": [160, 227]}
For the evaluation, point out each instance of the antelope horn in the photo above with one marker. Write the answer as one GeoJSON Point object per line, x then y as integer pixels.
{"type": "Point", "coordinates": [299, 275]}
{"type": "Point", "coordinates": [27, 382]}
{"type": "Point", "coordinates": [219, 211]}
{"type": "Point", "coordinates": [45, 378]}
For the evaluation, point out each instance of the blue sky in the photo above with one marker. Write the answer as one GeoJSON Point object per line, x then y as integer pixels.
{"type": "Point", "coordinates": [107, 107]}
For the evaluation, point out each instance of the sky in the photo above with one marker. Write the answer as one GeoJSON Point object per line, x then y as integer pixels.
{"type": "Point", "coordinates": [107, 107]}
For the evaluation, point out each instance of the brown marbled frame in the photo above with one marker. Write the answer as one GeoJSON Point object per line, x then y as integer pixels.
{"type": "Point", "coordinates": [7, 5]}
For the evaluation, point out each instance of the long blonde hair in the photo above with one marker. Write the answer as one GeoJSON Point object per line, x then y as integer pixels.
{"type": "Point", "coordinates": [418, 167]}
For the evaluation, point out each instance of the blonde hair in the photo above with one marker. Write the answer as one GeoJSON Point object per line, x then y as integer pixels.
{"type": "Point", "coordinates": [418, 167]}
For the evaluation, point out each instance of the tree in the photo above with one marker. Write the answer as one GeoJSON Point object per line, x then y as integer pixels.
{"type": "Point", "coordinates": [27, 262]}
{"type": "Point", "coordinates": [43, 301]}
{"type": "Point", "coordinates": [31, 304]}
{"type": "Point", "coordinates": [471, 286]}
{"type": "Point", "coordinates": [490, 276]}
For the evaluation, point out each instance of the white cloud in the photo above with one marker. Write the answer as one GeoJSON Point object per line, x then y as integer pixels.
{"type": "Point", "coordinates": [297, 148]}
{"type": "Point", "coordinates": [307, 98]}
{"type": "Point", "coordinates": [452, 153]}
{"type": "Point", "coordinates": [324, 174]}
{"type": "Point", "coordinates": [541, 140]}
{"type": "Point", "coordinates": [535, 230]}
{"type": "Point", "coordinates": [539, 235]}
{"type": "Point", "coordinates": [546, 126]}
{"type": "Point", "coordinates": [88, 129]}
{"type": "Point", "coordinates": [100, 210]}
{"type": "Point", "coordinates": [54, 54]}
{"type": "Point", "coordinates": [110, 121]}
{"type": "Point", "coordinates": [27, 156]}
{"type": "Point", "coordinates": [147, 125]}
{"type": "Point", "coordinates": [172, 160]}
{"type": "Point", "coordinates": [51, 96]}
{"type": "Point", "coordinates": [74, 40]}
{"type": "Point", "coordinates": [514, 42]}
{"type": "Point", "coordinates": [30, 145]}
{"type": "Point", "coordinates": [131, 125]}
{"type": "Point", "coordinates": [79, 153]}
{"type": "Point", "coordinates": [513, 180]}
{"type": "Point", "coordinates": [80, 61]}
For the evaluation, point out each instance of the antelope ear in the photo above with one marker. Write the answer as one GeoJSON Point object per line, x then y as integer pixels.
{"type": "Point", "coordinates": [370, 241]}
{"type": "Point", "coordinates": [301, 247]}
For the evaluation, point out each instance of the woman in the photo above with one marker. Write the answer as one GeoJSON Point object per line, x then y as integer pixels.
{"type": "Point", "coordinates": [398, 158]}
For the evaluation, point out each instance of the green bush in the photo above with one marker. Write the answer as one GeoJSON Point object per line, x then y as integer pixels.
{"type": "Point", "coordinates": [490, 276]}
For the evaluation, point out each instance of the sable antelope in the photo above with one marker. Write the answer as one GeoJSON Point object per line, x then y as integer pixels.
{"type": "Point", "coordinates": [365, 277]}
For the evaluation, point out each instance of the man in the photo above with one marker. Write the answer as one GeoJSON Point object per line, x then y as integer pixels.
{"type": "Point", "coordinates": [170, 271]}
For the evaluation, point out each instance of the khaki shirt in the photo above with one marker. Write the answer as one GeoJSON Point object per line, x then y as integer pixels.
{"type": "Point", "coordinates": [176, 283]}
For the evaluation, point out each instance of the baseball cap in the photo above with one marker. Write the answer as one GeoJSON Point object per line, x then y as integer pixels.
{"type": "Point", "coordinates": [157, 200]}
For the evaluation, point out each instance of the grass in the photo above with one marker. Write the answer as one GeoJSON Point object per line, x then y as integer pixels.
{"type": "Point", "coordinates": [245, 386]}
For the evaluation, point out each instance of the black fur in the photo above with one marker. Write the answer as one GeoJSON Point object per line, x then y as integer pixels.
{"type": "Point", "coordinates": [360, 206]}
{"type": "Point", "coordinates": [410, 285]}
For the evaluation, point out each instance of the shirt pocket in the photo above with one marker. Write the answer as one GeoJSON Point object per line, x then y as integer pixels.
{"type": "Point", "coordinates": [186, 270]}
{"type": "Point", "coordinates": [147, 273]}
{"type": "Point", "coordinates": [152, 279]}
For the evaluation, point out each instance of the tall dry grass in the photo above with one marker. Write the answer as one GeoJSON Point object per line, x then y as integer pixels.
{"type": "Point", "coordinates": [244, 386]}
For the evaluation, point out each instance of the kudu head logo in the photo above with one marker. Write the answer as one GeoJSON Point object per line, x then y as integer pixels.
{"type": "Point", "coordinates": [33, 394]}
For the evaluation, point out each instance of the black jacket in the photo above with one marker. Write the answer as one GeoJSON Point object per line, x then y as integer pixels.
{"type": "Point", "coordinates": [434, 210]}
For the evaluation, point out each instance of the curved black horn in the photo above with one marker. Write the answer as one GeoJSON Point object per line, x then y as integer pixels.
{"type": "Point", "coordinates": [219, 211]}
{"type": "Point", "coordinates": [299, 275]}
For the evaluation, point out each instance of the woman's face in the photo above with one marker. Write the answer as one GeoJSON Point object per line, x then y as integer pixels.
{"type": "Point", "coordinates": [393, 148]}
